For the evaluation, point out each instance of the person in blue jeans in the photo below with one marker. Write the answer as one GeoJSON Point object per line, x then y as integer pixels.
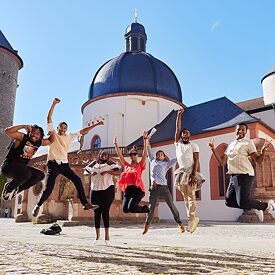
{"type": "Point", "coordinates": [159, 166]}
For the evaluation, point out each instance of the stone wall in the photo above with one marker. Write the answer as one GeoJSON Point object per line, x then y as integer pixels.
{"type": "Point", "coordinates": [8, 84]}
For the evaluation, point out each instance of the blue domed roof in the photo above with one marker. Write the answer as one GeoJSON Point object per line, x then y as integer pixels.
{"type": "Point", "coordinates": [135, 71]}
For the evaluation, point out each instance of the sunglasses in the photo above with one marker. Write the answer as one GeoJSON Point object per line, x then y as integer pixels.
{"type": "Point", "coordinates": [133, 154]}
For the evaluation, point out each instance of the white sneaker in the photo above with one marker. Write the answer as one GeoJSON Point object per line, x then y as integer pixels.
{"type": "Point", "coordinates": [95, 242]}
{"type": "Point", "coordinates": [271, 208]}
{"type": "Point", "coordinates": [260, 214]}
{"type": "Point", "coordinates": [192, 225]}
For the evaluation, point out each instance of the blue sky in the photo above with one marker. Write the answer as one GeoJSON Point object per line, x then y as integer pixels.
{"type": "Point", "coordinates": [215, 48]}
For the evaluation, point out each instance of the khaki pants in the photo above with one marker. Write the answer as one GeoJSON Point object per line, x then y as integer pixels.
{"type": "Point", "coordinates": [189, 195]}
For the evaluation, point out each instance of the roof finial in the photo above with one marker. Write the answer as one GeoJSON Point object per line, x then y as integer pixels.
{"type": "Point", "coordinates": [135, 15]}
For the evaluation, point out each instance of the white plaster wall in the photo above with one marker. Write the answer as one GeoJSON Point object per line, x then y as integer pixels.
{"type": "Point", "coordinates": [125, 116]}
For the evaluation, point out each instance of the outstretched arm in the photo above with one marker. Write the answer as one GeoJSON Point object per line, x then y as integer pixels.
{"type": "Point", "coordinates": [259, 157]}
{"type": "Point", "coordinates": [85, 130]}
{"type": "Point", "coordinates": [178, 125]}
{"type": "Point", "coordinates": [145, 145]}
{"type": "Point", "coordinates": [13, 131]}
{"type": "Point", "coordinates": [118, 151]}
{"type": "Point", "coordinates": [221, 159]}
{"type": "Point", "coordinates": [50, 113]}
{"type": "Point", "coordinates": [149, 151]}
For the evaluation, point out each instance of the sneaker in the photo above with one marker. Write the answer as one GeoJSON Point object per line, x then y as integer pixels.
{"type": "Point", "coordinates": [192, 225]}
{"type": "Point", "coordinates": [271, 208]}
{"type": "Point", "coordinates": [96, 241]}
{"type": "Point", "coordinates": [260, 214]}
{"type": "Point", "coordinates": [6, 196]}
{"type": "Point", "coordinates": [181, 228]}
{"type": "Point", "coordinates": [89, 206]}
{"type": "Point", "coordinates": [145, 229]}
{"type": "Point", "coordinates": [35, 211]}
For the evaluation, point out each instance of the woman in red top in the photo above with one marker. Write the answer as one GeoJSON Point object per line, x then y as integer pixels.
{"type": "Point", "coordinates": [130, 182]}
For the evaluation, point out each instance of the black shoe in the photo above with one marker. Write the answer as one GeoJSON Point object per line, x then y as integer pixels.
{"type": "Point", "coordinates": [35, 211]}
{"type": "Point", "coordinates": [52, 230]}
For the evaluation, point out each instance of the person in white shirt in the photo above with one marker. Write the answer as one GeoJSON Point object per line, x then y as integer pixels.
{"type": "Point", "coordinates": [102, 171]}
{"type": "Point", "coordinates": [188, 159]}
{"type": "Point", "coordinates": [238, 157]}
{"type": "Point", "coordinates": [58, 160]}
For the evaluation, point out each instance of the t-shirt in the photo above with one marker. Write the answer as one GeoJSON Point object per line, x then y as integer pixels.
{"type": "Point", "coordinates": [158, 168]}
{"type": "Point", "coordinates": [58, 150]}
{"type": "Point", "coordinates": [24, 152]}
{"type": "Point", "coordinates": [132, 175]}
{"type": "Point", "coordinates": [184, 153]}
{"type": "Point", "coordinates": [238, 159]}
{"type": "Point", "coordinates": [101, 182]}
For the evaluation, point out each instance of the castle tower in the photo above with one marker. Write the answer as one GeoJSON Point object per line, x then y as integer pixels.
{"type": "Point", "coordinates": [10, 64]}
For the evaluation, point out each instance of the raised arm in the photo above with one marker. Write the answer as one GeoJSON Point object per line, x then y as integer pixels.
{"type": "Point", "coordinates": [145, 145]}
{"type": "Point", "coordinates": [178, 125]}
{"type": "Point", "coordinates": [13, 131]}
{"type": "Point", "coordinates": [221, 159]}
{"type": "Point", "coordinates": [149, 151]}
{"type": "Point", "coordinates": [85, 130]}
{"type": "Point", "coordinates": [49, 140]}
{"type": "Point", "coordinates": [259, 157]}
{"type": "Point", "coordinates": [50, 113]}
{"type": "Point", "coordinates": [118, 151]}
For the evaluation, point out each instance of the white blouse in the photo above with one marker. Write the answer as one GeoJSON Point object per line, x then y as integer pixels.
{"type": "Point", "coordinates": [101, 182]}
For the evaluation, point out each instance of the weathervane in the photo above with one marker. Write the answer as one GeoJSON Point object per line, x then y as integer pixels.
{"type": "Point", "coordinates": [135, 15]}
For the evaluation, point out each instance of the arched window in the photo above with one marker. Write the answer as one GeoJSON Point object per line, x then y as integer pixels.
{"type": "Point", "coordinates": [95, 143]}
{"type": "Point", "coordinates": [219, 179]}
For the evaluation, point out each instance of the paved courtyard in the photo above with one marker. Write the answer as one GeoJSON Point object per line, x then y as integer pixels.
{"type": "Point", "coordinates": [215, 248]}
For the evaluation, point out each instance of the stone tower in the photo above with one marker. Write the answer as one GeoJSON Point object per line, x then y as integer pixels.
{"type": "Point", "coordinates": [10, 64]}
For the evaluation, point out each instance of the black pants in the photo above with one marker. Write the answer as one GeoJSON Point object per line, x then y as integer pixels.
{"type": "Point", "coordinates": [131, 198]}
{"type": "Point", "coordinates": [238, 193]}
{"type": "Point", "coordinates": [55, 169]}
{"type": "Point", "coordinates": [104, 199]}
{"type": "Point", "coordinates": [22, 176]}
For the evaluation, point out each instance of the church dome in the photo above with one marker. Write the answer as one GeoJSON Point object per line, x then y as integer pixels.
{"type": "Point", "coordinates": [135, 71]}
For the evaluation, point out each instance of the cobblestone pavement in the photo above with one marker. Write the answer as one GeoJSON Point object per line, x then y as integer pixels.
{"type": "Point", "coordinates": [215, 248]}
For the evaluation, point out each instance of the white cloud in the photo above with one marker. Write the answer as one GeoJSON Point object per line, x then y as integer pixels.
{"type": "Point", "coordinates": [215, 25]}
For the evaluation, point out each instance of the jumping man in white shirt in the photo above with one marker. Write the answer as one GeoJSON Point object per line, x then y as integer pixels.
{"type": "Point", "coordinates": [237, 156]}
{"type": "Point", "coordinates": [188, 159]}
{"type": "Point", "coordinates": [58, 160]}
